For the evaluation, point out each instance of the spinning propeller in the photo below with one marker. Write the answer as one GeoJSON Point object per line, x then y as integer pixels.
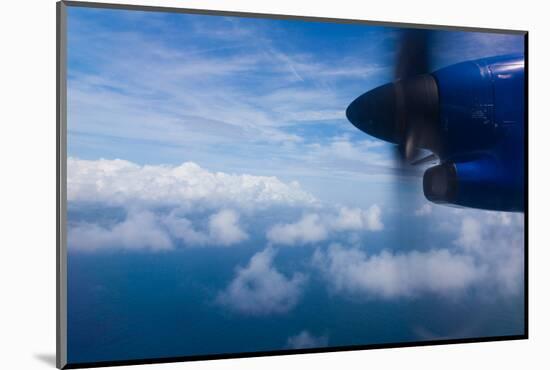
{"type": "Point", "coordinates": [404, 112]}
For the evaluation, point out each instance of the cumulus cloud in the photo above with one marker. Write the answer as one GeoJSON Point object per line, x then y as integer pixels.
{"type": "Point", "coordinates": [260, 289]}
{"type": "Point", "coordinates": [358, 219]}
{"type": "Point", "coordinates": [170, 198]}
{"type": "Point", "coordinates": [313, 227]}
{"type": "Point", "coordinates": [183, 229]}
{"type": "Point", "coordinates": [487, 254]}
{"type": "Point", "coordinates": [498, 239]}
{"type": "Point", "coordinates": [309, 229]}
{"type": "Point", "coordinates": [146, 230]}
{"type": "Point", "coordinates": [393, 275]}
{"type": "Point", "coordinates": [305, 339]}
{"type": "Point", "coordinates": [121, 182]}
{"type": "Point", "coordinates": [224, 227]}
{"type": "Point", "coordinates": [140, 230]}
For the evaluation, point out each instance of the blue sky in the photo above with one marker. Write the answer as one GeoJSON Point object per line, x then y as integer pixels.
{"type": "Point", "coordinates": [228, 92]}
{"type": "Point", "coordinates": [192, 137]}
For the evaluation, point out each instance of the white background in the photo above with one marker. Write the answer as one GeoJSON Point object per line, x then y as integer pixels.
{"type": "Point", "coordinates": [27, 187]}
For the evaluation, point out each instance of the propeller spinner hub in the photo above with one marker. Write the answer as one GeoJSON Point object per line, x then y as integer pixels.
{"type": "Point", "coordinates": [404, 112]}
{"type": "Point", "coordinates": [374, 112]}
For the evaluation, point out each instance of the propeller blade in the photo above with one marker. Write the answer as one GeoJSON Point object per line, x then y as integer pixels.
{"type": "Point", "coordinates": [432, 159]}
{"type": "Point", "coordinates": [413, 56]}
{"type": "Point", "coordinates": [413, 59]}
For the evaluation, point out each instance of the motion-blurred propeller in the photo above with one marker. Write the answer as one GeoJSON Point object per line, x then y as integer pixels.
{"type": "Point", "coordinates": [404, 112]}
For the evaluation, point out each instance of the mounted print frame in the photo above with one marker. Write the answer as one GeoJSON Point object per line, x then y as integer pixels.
{"type": "Point", "coordinates": [234, 184]}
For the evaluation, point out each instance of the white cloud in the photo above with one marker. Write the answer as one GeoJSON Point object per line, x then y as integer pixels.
{"type": "Point", "coordinates": [224, 227]}
{"type": "Point", "coordinates": [393, 275]}
{"type": "Point", "coordinates": [487, 255]}
{"type": "Point", "coordinates": [425, 210]}
{"type": "Point", "coordinates": [122, 182]}
{"type": "Point", "coordinates": [358, 219]}
{"type": "Point", "coordinates": [186, 190]}
{"type": "Point", "coordinates": [140, 230]}
{"type": "Point", "coordinates": [260, 289]}
{"type": "Point", "coordinates": [182, 229]}
{"type": "Point", "coordinates": [373, 222]}
{"type": "Point", "coordinates": [305, 339]}
{"type": "Point", "coordinates": [313, 227]}
{"type": "Point", "coordinates": [496, 238]}
{"type": "Point", "coordinates": [144, 229]}
{"type": "Point", "coordinates": [309, 229]}
{"type": "Point", "coordinates": [470, 233]}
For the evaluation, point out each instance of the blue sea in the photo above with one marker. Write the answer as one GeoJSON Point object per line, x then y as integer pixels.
{"type": "Point", "coordinates": [132, 305]}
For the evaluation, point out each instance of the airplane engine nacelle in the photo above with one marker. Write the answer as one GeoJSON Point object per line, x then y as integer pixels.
{"type": "Point", "coordinates": [470, 115]}
{"type": "Point", "coordinates": [480, 183]}
{"type": "Point", "coordinates": [481, 103]}
{"type": "Point", "coordinates": [481, 147]}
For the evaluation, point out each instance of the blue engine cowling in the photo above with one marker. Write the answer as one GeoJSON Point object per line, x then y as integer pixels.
{"type": "Point", "coordinates": [481, 135]}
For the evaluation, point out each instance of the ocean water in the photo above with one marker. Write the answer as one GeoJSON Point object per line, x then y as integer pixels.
{"type": "Point", "coordinates": [139, 305]}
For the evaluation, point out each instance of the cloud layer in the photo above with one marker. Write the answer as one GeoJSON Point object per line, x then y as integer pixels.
{"type": "Point", "coordinates": [139, 231]}
{"type": "Point", "coordinates": [122, 182]}
{"type": "Point", "coordinates": [189, 205]}
{"type": "Point", "coordinates": [487, 254]}
{"type": "Point", "coordinates": [143, 229]}
{"type": "Point", "coordinates": [171, 206]}
{"type": "Point", "coordinates": [393, 275]}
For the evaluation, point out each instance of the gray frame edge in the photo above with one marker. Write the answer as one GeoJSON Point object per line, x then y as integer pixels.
{"type": "Point", "coordinates": [61, 185]}
{"type": "Point", "coordinates": [199, 11]}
